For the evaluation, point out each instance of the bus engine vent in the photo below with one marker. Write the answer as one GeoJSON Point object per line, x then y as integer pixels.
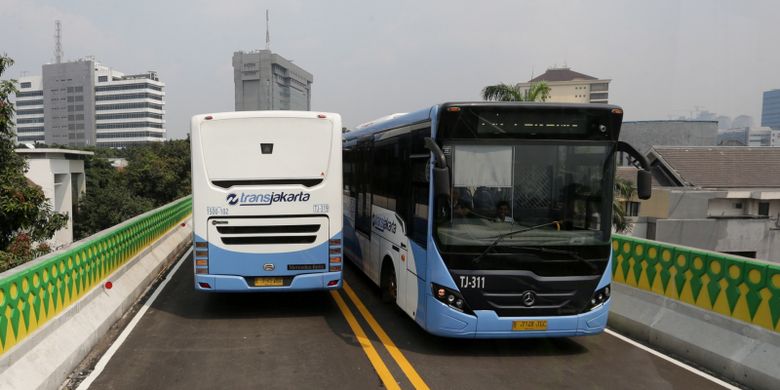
{"type": "Point", "coordinates": [268, 234]}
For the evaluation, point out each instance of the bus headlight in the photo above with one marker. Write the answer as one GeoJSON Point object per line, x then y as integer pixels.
{"type": "Point", "coordinates": [450, 298]}
{"type": "Point", "coordinates": [599, 297]}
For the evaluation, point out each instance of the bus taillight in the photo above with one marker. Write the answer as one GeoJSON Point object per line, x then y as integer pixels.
{"type": "Point", "coordinates": [201, 257]}
{"type": "Point", "coordinates": [335, 254]}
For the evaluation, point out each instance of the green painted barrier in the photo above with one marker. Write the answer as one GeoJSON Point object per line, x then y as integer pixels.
{"type": "Point", "coordinates": [36, 293]}
{"type": "Point", "coordinates": [737, 287]}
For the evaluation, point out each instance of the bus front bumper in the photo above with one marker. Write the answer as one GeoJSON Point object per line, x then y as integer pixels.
{"type": "Point", "coordinates": [302, 282]}
{"type": "Point", "coordinates": [445, 321]}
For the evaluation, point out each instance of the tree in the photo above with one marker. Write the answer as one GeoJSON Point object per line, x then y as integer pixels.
{"type": "Point", "coordinates": [156, 173]}
{"type": "Point", "coordinates": [624, 191]}
{"type": "Point", "coordinates": [26, 216]}
{"type": "Point", "coordinates": [537, 92]}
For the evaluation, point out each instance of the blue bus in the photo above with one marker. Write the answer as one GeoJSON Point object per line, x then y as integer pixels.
{"type": "Point", "coordinates": [486, 219]}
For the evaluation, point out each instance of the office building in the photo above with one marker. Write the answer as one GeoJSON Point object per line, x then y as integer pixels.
{"type": "Point", "coordinates": [82, 103]}
{"type": "Point", "coordinates": [770, 109]}
{"type": "Point", "coordinates": [568, 86]}
{"type": "Point", "coordinates": [267, 81]}
{"type": "Point", "coordinates": [60, 175]}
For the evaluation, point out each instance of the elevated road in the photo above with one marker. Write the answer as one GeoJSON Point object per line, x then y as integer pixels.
{"type": "Point", "coordinates": [349, 339]}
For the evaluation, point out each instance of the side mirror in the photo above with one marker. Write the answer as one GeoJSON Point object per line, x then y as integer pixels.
{"type": "Point", "coordinates": [644, 184]}
{"type": "Point", "coordinates": [441, 181]}
{"type": "Point", "coordinates": [441, 172]}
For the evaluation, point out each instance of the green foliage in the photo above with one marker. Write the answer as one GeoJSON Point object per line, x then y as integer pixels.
{"type": "Point", "coordinates": [624, 191]}
{"type": "Point", "coordinates": [26, 217]}
{"type": "Point", "coordinates": [537, 92]}
{"type": "Point", "coordinates": [156, 174]}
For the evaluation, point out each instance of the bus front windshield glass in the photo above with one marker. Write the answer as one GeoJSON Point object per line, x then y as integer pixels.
{"type": "Point", "coordinates": [528, 194]}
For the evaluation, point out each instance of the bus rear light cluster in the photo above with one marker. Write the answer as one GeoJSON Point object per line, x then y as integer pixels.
{"type": "Point", "coordinates": [599, 297]}
{"type": "Point", "coordinates": [335, 251]}
{"type": "Point", "coordinates": [450, 298]}
{"type": "Point", "coordinates": [201, 257]}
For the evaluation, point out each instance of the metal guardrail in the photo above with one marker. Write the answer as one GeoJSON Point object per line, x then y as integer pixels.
{"type": "Point", "coordinates": [737, 287]}
{"type": "Point", "coordinates": [35, 292]}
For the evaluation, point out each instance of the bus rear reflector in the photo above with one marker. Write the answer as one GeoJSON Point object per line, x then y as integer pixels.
{"type": "Point", "coordinates": [321, 116]}
{"type": "Point", "coordinates": [204, 285]}
{"type": "Point", "coordinates": [333, 283]}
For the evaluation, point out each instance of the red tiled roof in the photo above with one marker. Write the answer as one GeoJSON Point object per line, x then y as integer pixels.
{"type": "Point", "coordinates": [561, 74]}
{"type": "Point", "coordinates": [721, 167]}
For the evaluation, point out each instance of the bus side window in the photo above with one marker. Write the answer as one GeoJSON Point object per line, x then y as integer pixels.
{"type": "Point", "coordinates": [362, 184]}
{"type": "Point", "coordinates": [419, 165]}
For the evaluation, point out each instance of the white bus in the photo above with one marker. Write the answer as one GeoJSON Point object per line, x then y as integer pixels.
{"type": "Point", "coordinates": [267, 201]}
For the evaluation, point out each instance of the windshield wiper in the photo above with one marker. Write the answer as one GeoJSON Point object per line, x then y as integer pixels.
{"type": "Point", "coordinates": [511, 233]}
{"type": "Point", "coordinates": [573, 254]}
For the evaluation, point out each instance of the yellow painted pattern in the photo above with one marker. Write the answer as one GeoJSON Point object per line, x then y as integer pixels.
{"type": "Point", "coordinates": [740, 288]}
{"type": "Point", "coordinates": [30, 297]}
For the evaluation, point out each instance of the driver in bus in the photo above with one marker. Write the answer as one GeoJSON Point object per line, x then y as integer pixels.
{"type": "Point", "coordinates": [503, 212]}
{"type": "Point", "coordinates": [462, 208]}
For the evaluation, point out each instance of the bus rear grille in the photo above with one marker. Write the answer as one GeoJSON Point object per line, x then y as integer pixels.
{"type": "Point", "coordinates": [268, 229]}
{"type": "Point", "coordinates": [255, 240]}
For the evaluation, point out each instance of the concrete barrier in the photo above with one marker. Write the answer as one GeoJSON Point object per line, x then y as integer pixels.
{"type": "Point", "coordinates": [44, 358]}
{"type": "Point", "coordinates": [747, 354]}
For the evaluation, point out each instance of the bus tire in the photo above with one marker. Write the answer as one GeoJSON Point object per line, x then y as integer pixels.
{"type": "Point", "coordinates": [389, 285]}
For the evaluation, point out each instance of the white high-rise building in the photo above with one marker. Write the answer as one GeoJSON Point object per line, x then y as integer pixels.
{"type": "Point", "coordinates": [267, 81]}
{"type": "Point", "coordinates": [83, 103]}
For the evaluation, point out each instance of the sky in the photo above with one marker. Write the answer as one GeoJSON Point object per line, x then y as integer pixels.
{"type": "Point", "coordinates": [371, 58]}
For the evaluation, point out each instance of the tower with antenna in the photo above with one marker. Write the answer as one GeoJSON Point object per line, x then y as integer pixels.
{"type": "Point", "coordinates": [267, 31]}
{"type": "Point", "coordinates": [58, 41]}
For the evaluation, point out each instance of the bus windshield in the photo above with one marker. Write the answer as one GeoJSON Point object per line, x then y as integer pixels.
{"type": "Point", "coordinates": [557, 193]}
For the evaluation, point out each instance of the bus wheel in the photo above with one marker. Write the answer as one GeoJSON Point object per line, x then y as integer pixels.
{"type": "Point", "coordinates": [389, 283]}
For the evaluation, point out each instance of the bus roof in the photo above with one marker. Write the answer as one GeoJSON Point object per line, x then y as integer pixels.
{"type": "Point", "coordinates": [264, 114]}
{"type": "Point", "coordinates": [393, 121]}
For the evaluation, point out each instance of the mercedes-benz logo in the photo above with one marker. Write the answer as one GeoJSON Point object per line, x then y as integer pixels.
{"type": "Point", "coordinates": [528, 298]}
{"type": "Point", "coordinates": [268, 267]}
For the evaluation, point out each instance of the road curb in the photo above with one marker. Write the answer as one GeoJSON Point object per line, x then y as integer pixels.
{"type": "Point", "coordinates": [744, 353]}
{"type": "Point", "coordinates": [44, 359]}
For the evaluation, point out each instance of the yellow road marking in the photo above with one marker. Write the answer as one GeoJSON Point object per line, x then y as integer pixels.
{"type": "Point", "coordinates": [399, 357]}
{"type": "Point", "coordinates": [368, 348]}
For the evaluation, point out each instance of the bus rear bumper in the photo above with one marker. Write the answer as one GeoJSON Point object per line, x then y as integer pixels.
{"type": "Point", "coordinates": [447, 322]}
{"type": "Point", "coordinates": [233, 283]}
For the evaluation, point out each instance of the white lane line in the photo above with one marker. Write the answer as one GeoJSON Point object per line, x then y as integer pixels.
{"type": "Point", "coordinates": [672, 360]}
{"type": "Point", "coordinates": [101, 364]}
